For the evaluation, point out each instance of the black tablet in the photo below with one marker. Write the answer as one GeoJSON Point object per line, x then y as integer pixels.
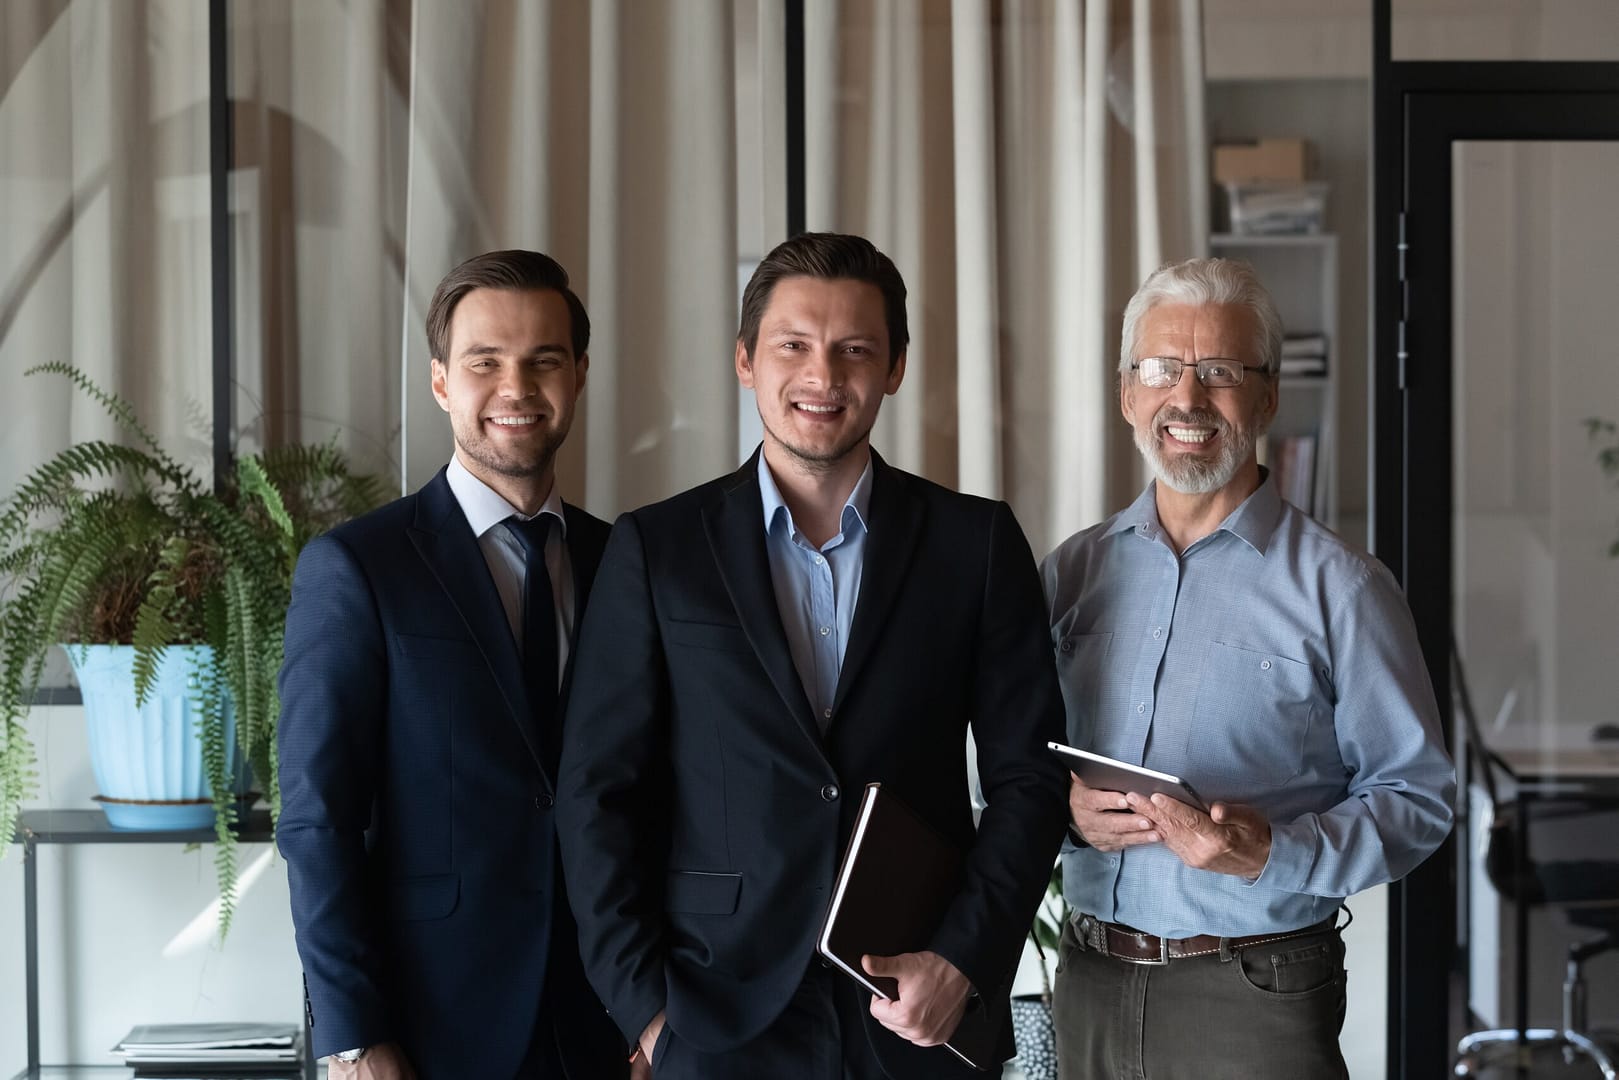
{"type": "Point", "coordinates": [1109, 774]}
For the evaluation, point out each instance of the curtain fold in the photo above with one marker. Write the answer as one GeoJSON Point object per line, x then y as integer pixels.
{"type": "Point", "coordinates": [604, 135]}
{"type": "Point", "coordinates": [1026, 164]}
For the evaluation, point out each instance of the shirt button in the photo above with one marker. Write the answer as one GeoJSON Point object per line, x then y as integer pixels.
{"type": "Point", "coordinates": [825, 630]}
{"type": "Point", "coordinates": [827, 713]}
{"type": "Point", "coordinates": [1158, 631]}
{"type": "Point", "coordinates": [819, 560]}
{"type": "Point", "coordinates": [1142, 707]}
{"type": "Point", "coordinates": [542, 802]}
{"type": "Point", "coordinates": [829, 793]}
{"type": "Point", "coordinates": [1067, 645]}
{"type": "Point", "coordinates": [1264, 665]}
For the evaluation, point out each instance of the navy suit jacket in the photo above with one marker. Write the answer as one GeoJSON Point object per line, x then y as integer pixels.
{"type": "Point", "coordinates": [703, 813]}
{"type": "Point", "coordinates": [417, 802]}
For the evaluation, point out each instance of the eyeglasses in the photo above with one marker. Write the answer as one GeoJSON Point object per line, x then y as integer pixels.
{"type": "Point", "coordinates": [1162, 372]}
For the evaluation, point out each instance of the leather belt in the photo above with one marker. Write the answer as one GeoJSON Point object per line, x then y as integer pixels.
{"type": "Point", "coordinates": [1132, 946]}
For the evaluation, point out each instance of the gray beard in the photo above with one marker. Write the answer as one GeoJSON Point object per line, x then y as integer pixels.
{"type": "Point", "coordinates": [1192, 475]}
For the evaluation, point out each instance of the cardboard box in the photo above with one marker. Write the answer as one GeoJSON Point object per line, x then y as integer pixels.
{"type": "Point", "coordinates": [1261, 159]}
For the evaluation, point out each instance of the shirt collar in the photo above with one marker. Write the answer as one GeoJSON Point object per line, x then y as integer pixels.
{"type": "Point", "coordinates": [1253, 522]}
{"type": "Point", "coordinates": [485, 508]}
{"type": "Point", "coordinates": [859, 499]}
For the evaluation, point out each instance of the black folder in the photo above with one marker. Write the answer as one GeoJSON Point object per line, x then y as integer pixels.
{"type": "Point", "coordinates": [897, 880]}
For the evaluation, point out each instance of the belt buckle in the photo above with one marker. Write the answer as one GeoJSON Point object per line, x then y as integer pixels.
{"type": "Point", "coordinates": [1161, 960]}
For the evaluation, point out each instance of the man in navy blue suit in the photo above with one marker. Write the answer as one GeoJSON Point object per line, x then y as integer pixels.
{"type": "Point", "coordinates": [427, 650]}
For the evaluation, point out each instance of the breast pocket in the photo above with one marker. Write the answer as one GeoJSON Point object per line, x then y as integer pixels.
{"type": "Point", "coordinates": [1081, 668]}
{"type": "Point", "coordinates": [701, 635]}
{"type": "Point", "coordinates": [1253, 716]}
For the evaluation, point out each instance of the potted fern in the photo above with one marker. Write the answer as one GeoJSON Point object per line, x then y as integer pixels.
{"type": "Point", "coordinates": [169, 596]}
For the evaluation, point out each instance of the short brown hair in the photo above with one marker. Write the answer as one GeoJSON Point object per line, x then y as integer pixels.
{"type": "Point", "coordinates": [831, 257]}
{"type": "Point", "coordinates": [516, 269]}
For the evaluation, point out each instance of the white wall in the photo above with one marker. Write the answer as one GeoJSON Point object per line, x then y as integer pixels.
{"type": "Point", "coordinates": [117, 942]}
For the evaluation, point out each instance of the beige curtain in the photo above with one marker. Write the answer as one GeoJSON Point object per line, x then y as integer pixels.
{"type": "Point", "coordinates": [103, 222]}
{"type": "Point", "coordinates": [602, 133]}
{"type": "Point", "coordinates": [1027, 163]}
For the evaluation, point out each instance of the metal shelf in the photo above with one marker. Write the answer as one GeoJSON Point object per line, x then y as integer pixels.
{"type": "Point", "coordinates": [35, 827]}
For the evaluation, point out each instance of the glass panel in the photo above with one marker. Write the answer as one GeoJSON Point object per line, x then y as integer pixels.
{"type": "Point", "coordinates": [1505, 30]}
{"type": "Point", "coordinates": [1536, 579]}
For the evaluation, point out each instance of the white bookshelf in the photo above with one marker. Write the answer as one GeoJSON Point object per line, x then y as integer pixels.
{"type": "Point", "coordinates": [1301, 273]}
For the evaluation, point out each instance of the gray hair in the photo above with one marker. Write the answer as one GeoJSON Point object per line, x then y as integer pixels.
{"type": "Point", "coordinates": [1206, 281]}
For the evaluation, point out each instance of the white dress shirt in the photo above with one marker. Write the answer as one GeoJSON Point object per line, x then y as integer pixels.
{"type": "Point", "coordinates": [485, 511]}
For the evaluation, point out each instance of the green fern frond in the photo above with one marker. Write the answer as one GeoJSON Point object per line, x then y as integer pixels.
{"type": "Point", "coordinates": [117, 408]}
{"type": "Point", "coordinates": [155, 626]}
{"type": "Point", "coordinates": [54, 485]}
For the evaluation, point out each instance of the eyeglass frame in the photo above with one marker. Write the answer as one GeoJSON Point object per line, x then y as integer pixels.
{"type": "Point", "coordinates": [1180, 367]}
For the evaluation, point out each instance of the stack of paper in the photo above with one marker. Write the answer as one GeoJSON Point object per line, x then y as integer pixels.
{"type": "Point", "coordinates": [212, 1050]}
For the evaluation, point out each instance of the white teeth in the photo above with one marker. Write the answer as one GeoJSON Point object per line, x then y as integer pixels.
{"type": "Point", "coordinates": [1191, 435]}
{"type": "Point", "coordinates": [514, 421]}
{"type": "Point", "coordinates": [819, 408]}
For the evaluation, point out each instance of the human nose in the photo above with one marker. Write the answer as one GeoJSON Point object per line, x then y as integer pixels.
{"type": "Point", "coordinates": [1189, 391]}
{"type": "Point", "coordinates": [516, 383]}
{"type": "Point", "coordinates": [821, 368]}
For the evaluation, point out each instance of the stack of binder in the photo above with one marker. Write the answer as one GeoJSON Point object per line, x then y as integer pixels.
{"type": "Point", "coordinates": [212, 1051]}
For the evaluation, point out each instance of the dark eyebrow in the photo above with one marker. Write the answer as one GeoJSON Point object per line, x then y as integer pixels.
{"type": "Point", "coordinates": [785, 329]}
{"type": "Point", "coordinates": [495, 350]}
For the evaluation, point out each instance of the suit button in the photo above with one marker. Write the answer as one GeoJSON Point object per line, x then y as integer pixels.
{"type": "Point", "coordinates": [542, 802]}
{"type": "Point", "coordinates": [830, 793]}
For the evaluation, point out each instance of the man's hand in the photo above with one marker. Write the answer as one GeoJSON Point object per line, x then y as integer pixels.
{"type": "Point", "coordinates": [385, 1061]}
{"type": "Point", "coordinates": [649, 1038]}
{"type": "Point", "coordinates": [1229, 839]}
{"type": "Point", "coordinates": [932, 996]}
{"type": "Point", "coordinates": [1103, 818]}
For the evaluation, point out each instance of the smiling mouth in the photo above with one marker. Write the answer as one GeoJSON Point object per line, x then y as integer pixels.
{"type": "Point", "coordinates": [513, 421]}
{"type": "Point", "coordinates": [1192, 435]}
{"type": "Point", "coordinates": [817, 410]}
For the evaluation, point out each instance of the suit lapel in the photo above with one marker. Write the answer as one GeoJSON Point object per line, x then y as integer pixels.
{"type": "Point", "coordinates": [586, 540]}
{"type": "Point", "coordinates": [445, 542]}
{"type": "Point", "coordinates": [736, 534]}
{"type": "Point", "coordinates": [895, 526]}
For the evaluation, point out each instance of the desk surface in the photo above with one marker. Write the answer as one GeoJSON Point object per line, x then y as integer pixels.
{"type": "Point", "coordinates": [1554, 752]}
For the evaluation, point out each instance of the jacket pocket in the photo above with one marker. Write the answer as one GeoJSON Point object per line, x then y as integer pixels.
{"type": "Point", "coordinates": [694, 892]}
{"type": "Point", "coordinates": [422, 898]}
{"type": "Point", "coordinates": [700, 635]}
{"type": "Point", "coordinates": [417, 647]}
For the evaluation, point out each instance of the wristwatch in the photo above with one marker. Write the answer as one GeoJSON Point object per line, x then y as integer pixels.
{"type": "Point", "coordinates": [350, 1056]}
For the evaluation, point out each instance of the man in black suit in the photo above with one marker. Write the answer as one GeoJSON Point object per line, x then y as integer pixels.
{"type": "Point", "coordinates": [760, 647]}
{"type": "Point", "coordinates": [427, 649]}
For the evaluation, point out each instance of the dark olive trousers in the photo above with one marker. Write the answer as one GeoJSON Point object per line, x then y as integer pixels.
{"type": "Point", "coordinates": [1267, 1012]}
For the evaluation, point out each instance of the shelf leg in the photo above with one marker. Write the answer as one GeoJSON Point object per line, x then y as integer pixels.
{"type": "Point", "coordinates": [30, 880]}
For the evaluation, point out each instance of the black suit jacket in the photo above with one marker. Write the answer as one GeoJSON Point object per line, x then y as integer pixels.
{"type": "Point", "coordinates": [417, 802]}
{"type": "Point", "coordinates": [703, 813]}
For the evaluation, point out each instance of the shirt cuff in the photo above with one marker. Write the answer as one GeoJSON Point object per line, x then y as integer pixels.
{"type": "Point", "coordinates": [1292, 854]}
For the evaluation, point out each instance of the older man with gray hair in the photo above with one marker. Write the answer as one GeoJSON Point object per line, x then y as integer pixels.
{"type": "Point", "coordinates": [1215, 632]}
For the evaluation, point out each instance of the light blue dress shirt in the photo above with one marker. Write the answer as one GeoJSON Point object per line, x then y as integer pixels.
{"type": "Point", "coordinates": [1269, 664]}
{"type": "Point", "coordinates": [816, 588]}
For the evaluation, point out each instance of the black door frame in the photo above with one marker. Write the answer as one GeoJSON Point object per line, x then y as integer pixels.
{"type": "Point", "coordinates": [1420, 108]}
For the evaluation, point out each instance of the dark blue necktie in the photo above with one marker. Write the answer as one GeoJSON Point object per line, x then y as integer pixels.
{"type": "Point", "coordinates": [539, 620]}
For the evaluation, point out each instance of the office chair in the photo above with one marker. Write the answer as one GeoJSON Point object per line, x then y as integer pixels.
{"type": "Point", "coordinates": [1587, 891]}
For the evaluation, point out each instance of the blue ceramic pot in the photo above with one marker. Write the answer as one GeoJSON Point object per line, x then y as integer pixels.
{"type": "Point", "coordinates": [148, 758]}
